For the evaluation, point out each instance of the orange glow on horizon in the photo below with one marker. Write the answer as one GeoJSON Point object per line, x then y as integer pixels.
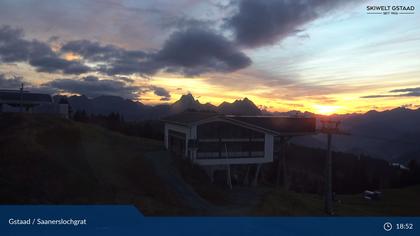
{"type": "Point", "coordinates": [326, 109]}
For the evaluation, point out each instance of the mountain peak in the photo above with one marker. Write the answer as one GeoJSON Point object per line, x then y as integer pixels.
{"type": "Point", "coordinates": [246, 100]}
{"type": "Point", "coordinates": [187, 98]}
{"type": "Point", "coordinates": [187, 101]}
{"type": "Point", "coordinates": [240, 107]}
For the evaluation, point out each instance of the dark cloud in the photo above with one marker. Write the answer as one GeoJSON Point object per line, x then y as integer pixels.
{"type": "Point", "coordinates": [406, 92]}
{"type": "Point", "coordinates": [191, 51]}
{"type": "Point", "coordinates": [94, 51]}
{"type": "Point", "coordinates": [194, 51]}
{"type": "Point", "coordinates": [125, 79]}
{"type": "Point", "coordinates": [56, 64]}
{"type": "Point", "coordinates": [377, 96]}
{"type": "Point", "coordinates": [410, 92]}
{"type": "Point", "coordinates": [165, 99]}
{"type": "Point", "coordinates": [92, 86]}
{"type": "Point", "coordinates": [128, 66]}
{"type": "Point", "coordinates": [14, 48]}
{"type": "Point", "coordinates": [259, 23]}
{"type": "Point", "coordinates": [161, 92]}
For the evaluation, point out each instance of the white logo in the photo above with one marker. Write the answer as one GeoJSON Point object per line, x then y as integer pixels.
{"type": "Point", "coordinates": [390, 10]}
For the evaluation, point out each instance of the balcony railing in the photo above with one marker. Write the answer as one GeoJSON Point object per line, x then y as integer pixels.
{"type": "Point", "coordinates": [229, 155]}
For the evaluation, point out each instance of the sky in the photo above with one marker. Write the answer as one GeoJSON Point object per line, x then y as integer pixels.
{"type": "Point", "coordinates": [322, 56]}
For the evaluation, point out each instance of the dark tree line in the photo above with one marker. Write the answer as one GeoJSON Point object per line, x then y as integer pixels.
{"type": "Point", "coordinates": [114, 121]}
{"type": "Point", "coordinates": [351, 174]}
{"type": "Point", "coordinates": [412, 176]}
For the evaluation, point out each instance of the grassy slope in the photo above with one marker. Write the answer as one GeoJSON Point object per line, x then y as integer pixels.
{"type": "Point", "coordinates": [395, 202]}
{"type": "Point", "coordinates": [52, 160]}
{"type": "Point", "coordinates": [57, 161]}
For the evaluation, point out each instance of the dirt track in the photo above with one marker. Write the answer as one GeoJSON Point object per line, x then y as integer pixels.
{"type": "Point", "coordinates": [243, 199]}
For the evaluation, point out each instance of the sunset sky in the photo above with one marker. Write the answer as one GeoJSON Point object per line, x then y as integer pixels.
{"type": "Point", "coordinates": [323, 56]}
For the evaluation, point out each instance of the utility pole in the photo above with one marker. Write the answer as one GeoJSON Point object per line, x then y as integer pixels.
{"type": "Point", "coordinates": [280, 163]}
{"type": "Point", "coordinates": [329, 127]}
{"type": "Point", "coordinates": [21, 98]}
{"type": "Point", "coordinates": [328, 178]}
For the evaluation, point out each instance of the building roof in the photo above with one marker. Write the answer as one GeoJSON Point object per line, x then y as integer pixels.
{"type": "Point", "coordinates": [188, 117]}
{"type": "Point", "coordinates": [278, 124]}
{"type": "Point", "coordinates": [14, 97]}
{"type": "Point", "coordinates": [272, 124]}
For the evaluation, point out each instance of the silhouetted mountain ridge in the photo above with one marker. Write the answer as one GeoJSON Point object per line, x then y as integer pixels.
{"type": "Point", "coordinates": [134, 111]}
{"type": "Point", "coordinates": [239, 107]}
{"type": "Point", "coordinates": [393, 134]}
{"type": "Point", "coordinates": [188, 102]}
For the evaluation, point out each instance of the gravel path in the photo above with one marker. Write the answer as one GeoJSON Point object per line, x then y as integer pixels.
{"type": "Point", "coordinates": [243, 199]}
{"type": "Point", "coordinates": [165, 169]}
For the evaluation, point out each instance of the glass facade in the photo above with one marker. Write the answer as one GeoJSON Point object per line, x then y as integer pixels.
{"type": "Point", "coordinates": [226, 140]}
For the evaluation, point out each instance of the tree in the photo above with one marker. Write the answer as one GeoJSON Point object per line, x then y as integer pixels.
{"type": "Point", "coordinates": [81, 116]}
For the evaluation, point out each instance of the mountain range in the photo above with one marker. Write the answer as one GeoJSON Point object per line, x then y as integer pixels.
{"type": "Point", "coordinates": [393, 135]}
{"type": "Point", "coordinates": [137, 111]}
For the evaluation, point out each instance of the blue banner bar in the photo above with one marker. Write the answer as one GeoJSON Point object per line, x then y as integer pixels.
{"type": "Point", "coordinates": [127, 220]}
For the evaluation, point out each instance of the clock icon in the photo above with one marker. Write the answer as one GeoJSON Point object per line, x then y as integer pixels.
{"type": "Point", "coordinates": [387, 226]}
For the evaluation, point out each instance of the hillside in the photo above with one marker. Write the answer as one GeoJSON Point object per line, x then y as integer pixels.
{"type": "Point", "coordinates": [49, 160]}
{"type": "Point", "coordinates": [395, 202]}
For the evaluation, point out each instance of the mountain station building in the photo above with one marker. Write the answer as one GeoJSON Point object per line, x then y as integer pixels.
{"type": "Point", "coordinates": [215, 141]}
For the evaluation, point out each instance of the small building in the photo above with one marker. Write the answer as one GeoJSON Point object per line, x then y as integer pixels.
{"type": "Point", "coordinates": [22, 101]}
{"type": "Point", "coordinates": [216, 141]}
{"type": "Point", "coordinates": [64, 107]}
{"type": "Point", "coordinates": [28, 102]}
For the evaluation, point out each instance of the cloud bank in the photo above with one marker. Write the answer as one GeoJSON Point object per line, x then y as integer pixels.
{"type": "Point", "coordinates": [91, 86]}
{"type": "Point", "coordinates": [15, 48]}
{"type": "Point", "coordinates": [406, 92]}
{"type": "Point", "coordinates": [265, 22]}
